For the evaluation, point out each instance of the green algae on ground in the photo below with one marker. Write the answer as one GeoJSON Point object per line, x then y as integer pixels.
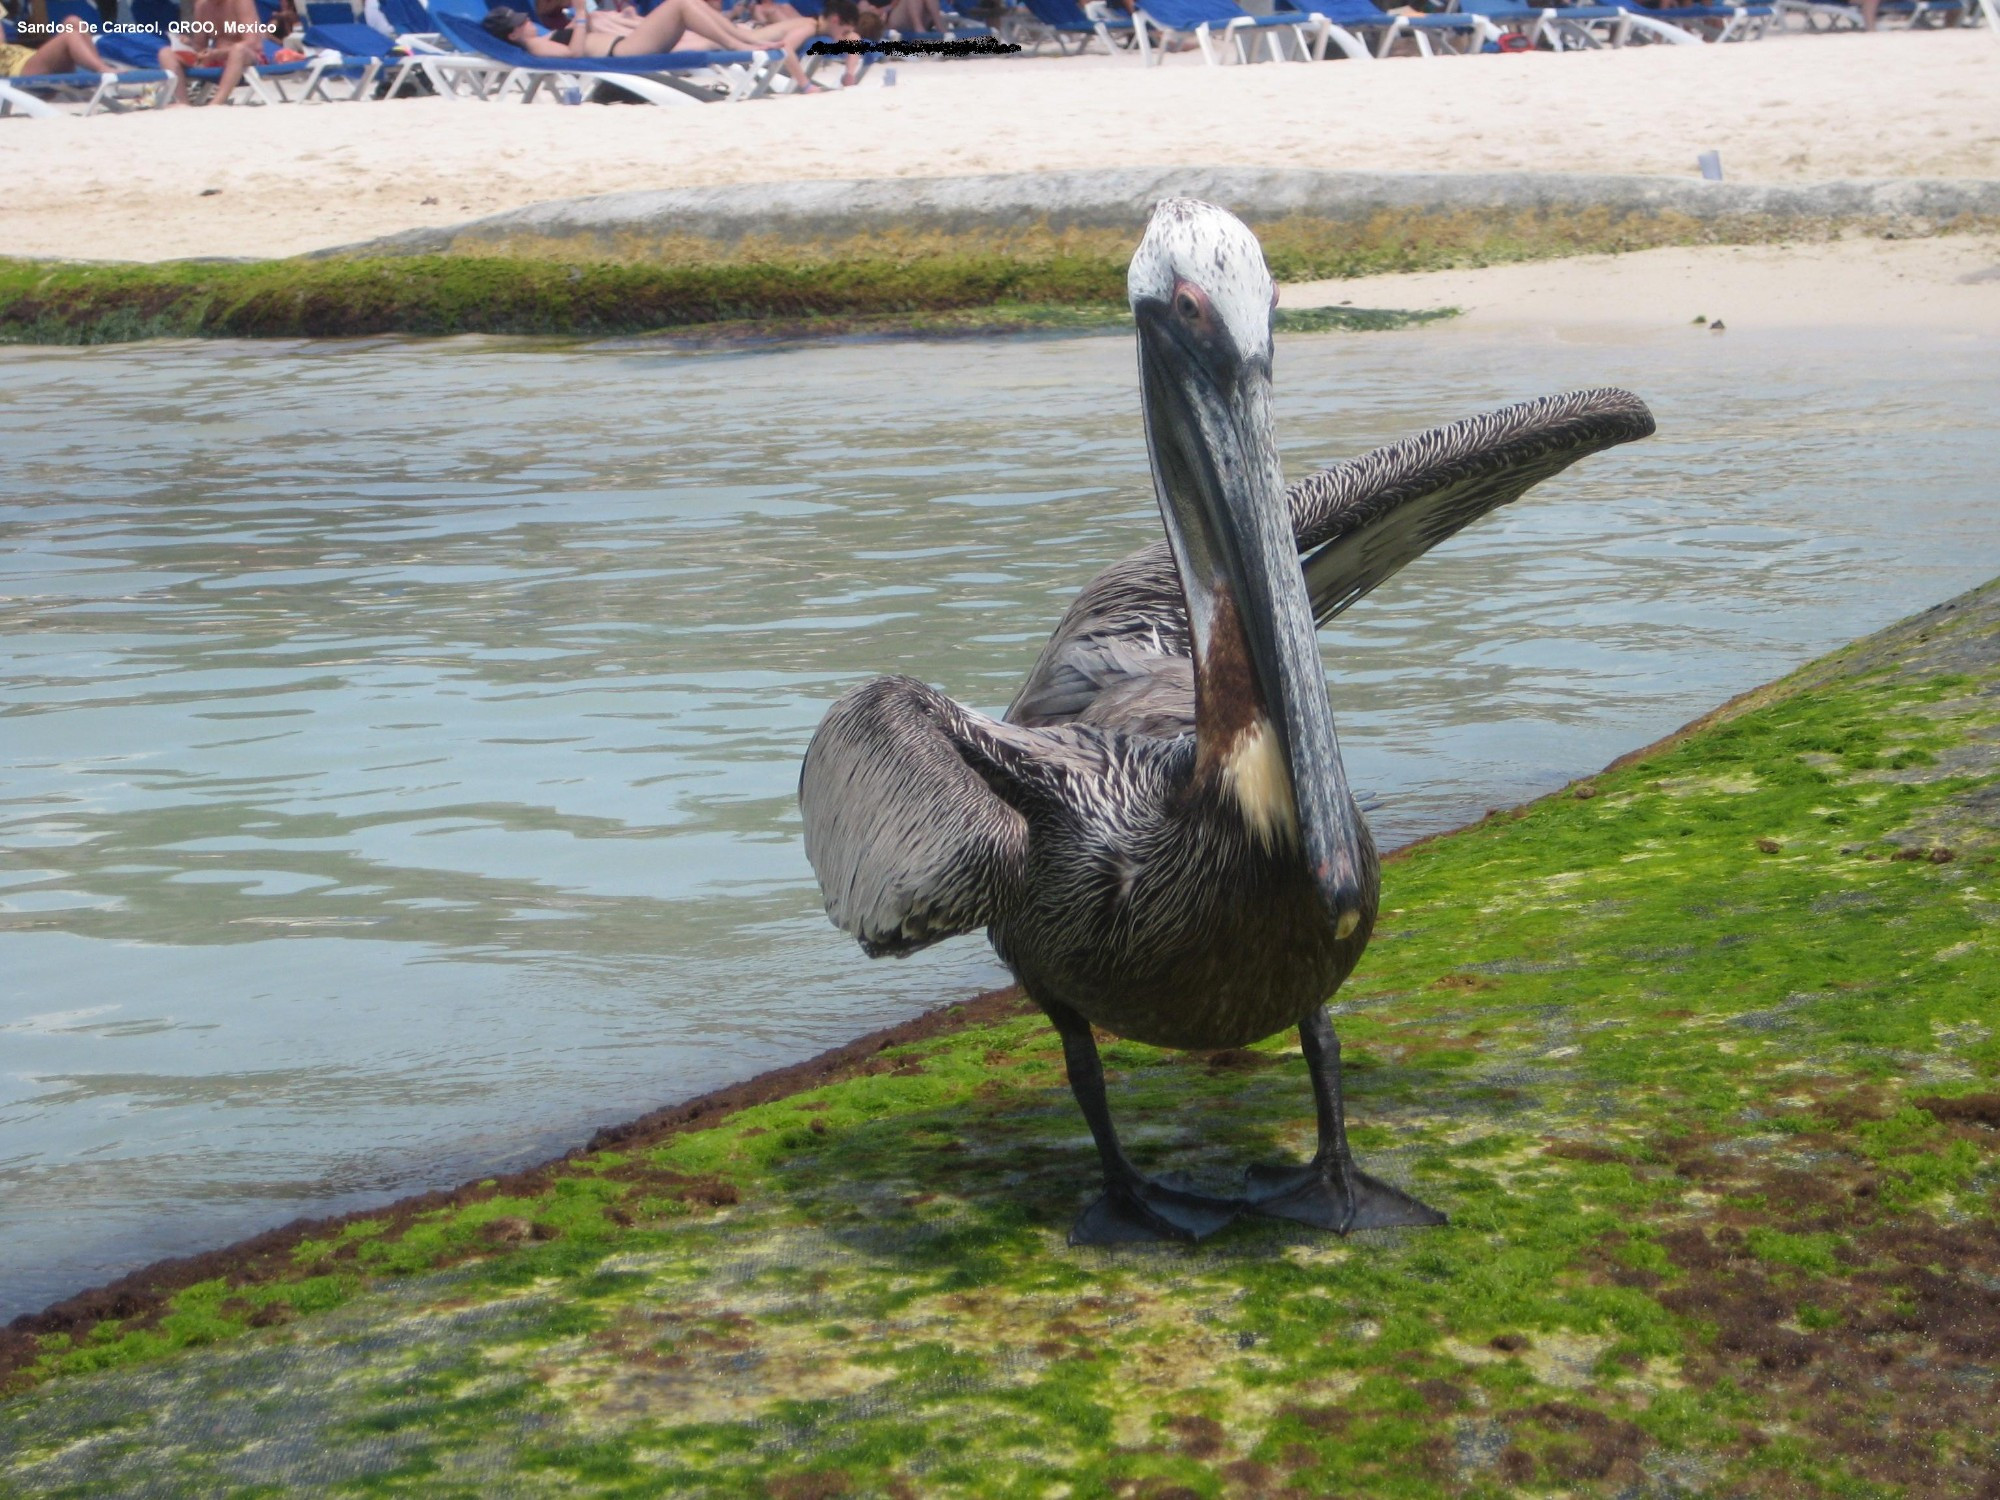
{"type": "Point", "coordinates": [51, 303]}
{"type": "Point", "coordinates": [1299, 246]}
{"type": "Point", "coordinates": [593, 284]}
{"type": "Point", "coordinates": [1700, 1056]}
{"type": "Point", "coordinates": [708, 302]}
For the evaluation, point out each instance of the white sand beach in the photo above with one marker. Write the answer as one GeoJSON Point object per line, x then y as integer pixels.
{"type": "Point", "coordinates": [1949, 284]}
{"type": "Point", "coordinates": [258, 182]}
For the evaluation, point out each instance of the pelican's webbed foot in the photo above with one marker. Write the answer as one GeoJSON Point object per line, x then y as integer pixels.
{"type": "Point", "coordinates": [1323, 1195]}
{"type": "Point", "coordinates": [1330, 1192]}
{"type": "Point", "coordinates": [1142, 1210]}
{"type": "Point", "coordinates": [1133, 1208]}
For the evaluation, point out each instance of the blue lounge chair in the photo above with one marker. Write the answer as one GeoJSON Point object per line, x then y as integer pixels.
{"type": "Point", "coordinates": [408, 17]}
{"type": "Point", "coordinates": [363, 46]}
{"type": "Point", "coordinates": [1565, 28]}
{"type": "Point", "coordinates": [26, 94]}
{"type": "Point", "coordinates": [1070, 22]}
{"type": "Point", "coordinates": [1723, 23]}
{"type": "Point", "coordinates": [161, 15]}
{"type": "Point", "coordinates": [126, 88]}
{"type": "Point", "coordinates": [1344, 18]}
{"type": "Point", "coordinates": [1922, 13]}
{"type": "Point", "coordinates": [658, 77]}
{"type": "Point", "coordinates": [450, 71]}
{"type": "Point", "coordinates": [264, 82]}
{"type": "Point", "coordinates": [1820, 15]}
{"type": "Point", "coordinates": [1204, 19]}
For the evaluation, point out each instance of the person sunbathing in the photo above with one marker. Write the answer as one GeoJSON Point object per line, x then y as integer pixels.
{"type": "Point", "coordinates": [907, 17]}
{"type": "Point", "coordinates": [223, 34]}
{"type": "Point", "coordinates": [610, 33]}
{"type": "Point", "coordinates": [70, 50]}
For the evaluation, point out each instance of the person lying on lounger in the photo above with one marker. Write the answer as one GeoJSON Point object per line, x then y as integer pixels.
{"type": "Point", "coordinates": [223, 34]}
{"type": "Point", "coordinates": [610, 33]}
{"type": "Point", "coordinates": [70, 50]}
{"type": "Point", "coordinates": [907, 17]}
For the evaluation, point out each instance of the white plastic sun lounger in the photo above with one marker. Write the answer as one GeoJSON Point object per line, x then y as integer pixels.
{"type": "Point", "coordinates": [1206, 20]}
{"type": "Point", "coordinates": [659, 78]}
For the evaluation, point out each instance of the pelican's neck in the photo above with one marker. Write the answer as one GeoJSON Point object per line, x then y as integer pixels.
{"type": "Point", "coordinates": [1238, 750]}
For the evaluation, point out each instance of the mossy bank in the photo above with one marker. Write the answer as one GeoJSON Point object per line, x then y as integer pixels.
{"type": "Point", "coordinates": [710, 302]}
{"type": "Point", "coordinates": [900, 284]}
{"type": "Point", "coordinates": [1006, 253]}
{"type": "Point", "coordinates": [1699, 1055]}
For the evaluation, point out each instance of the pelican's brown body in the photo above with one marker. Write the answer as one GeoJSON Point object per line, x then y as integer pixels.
{"type": "Point", "coordinates": [1187, 917]}
{"type": "Point", "coordinates": [1239, 956]}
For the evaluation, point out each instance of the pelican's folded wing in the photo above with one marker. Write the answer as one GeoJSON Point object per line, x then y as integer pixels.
{"type": "Point", "coordinates": [1360, 522]}
{"type": "Point", "coordinates": [903, 827]}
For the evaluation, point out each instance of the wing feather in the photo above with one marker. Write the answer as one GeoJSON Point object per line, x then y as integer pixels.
{"type": "Point", "coordinates": [1360, 523]}
{"type": "Point", "coordinates": [910, 840]}
{"type": "Point", "coordinates": [1113, 659]}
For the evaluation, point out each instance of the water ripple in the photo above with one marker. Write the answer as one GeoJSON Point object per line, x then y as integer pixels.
{"type": "Point", "coordinates": [401, 739]}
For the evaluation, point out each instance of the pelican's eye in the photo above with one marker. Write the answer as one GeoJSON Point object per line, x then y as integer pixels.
{"type": "Point", "coordinates": [1188, 302]}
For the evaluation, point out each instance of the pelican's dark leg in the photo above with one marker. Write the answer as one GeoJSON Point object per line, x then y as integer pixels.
{"type": "Point", "coordinates": [1330, 1192]}
{"type": "Point", "coordinates": [1133, 1207]}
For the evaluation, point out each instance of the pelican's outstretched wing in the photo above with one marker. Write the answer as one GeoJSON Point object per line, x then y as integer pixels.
{"type": "Point", "coordinates": [904, 828]}
{"type": "Point", "coordinates": [1357, 523]}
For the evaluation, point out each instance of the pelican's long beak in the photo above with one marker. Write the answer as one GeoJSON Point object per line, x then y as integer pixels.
{"type": "Point", "coordinates": [1215, 464]}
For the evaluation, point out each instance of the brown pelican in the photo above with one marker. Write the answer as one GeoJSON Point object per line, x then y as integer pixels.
{"type": "Point", "coordinates": [1159, 837]}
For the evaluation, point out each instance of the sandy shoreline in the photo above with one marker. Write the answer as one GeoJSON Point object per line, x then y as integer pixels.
{"type": "Point", "coordinates": [1950, 284]}
{"type": "Point", "coordinates": [281, 181]}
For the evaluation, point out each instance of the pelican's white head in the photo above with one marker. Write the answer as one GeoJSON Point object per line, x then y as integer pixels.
{"type": "Point", "coordinates": [1207, 251]}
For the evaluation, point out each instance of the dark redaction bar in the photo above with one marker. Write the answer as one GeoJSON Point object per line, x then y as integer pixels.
{"type": "Point", "coordinates": [967, 48]}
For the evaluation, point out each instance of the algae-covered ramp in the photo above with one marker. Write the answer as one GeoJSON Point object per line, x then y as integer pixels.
{"type": "Point", "coordinates": [1014, 252]}
{"type": "Point", "coordinates": [1318, 216]}
{"type": "Point", "coordinates": [1699, 1054]}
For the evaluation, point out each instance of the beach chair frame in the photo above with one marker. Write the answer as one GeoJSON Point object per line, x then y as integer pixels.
{"type": "Point", "coordinates": [1242, 30]}
{"type": "Point", "coordinates": [1819, 15]}
{"type": "Point", "coordinates": [1578, 28]}
{"type": "Point", "coordinates": [705, 79]}
{"type": "Point", "coordinates": [109, 92]}
{"type": "Point", "coordinates": [1724, 22]}
{"type": "Point", "coordinates": [1349, 21]}
{"type": "Point", "coordinates": [15, 101]}
{"type": "Point", "coordinates": [1064, 22]}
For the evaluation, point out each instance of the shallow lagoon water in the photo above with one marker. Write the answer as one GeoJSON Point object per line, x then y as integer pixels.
{"type": "Point", "coordinates": [398, 740]}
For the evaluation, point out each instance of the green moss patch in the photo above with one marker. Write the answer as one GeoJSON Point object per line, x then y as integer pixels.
{"type": "Point", "coordinates": [892, 282]}
{"type": "Point", "coordinates": [1299, 247]}
{"type": "Point", "coordinates": [703, 303]}
{"type": "Point", "coordinates": [1702, 1056]}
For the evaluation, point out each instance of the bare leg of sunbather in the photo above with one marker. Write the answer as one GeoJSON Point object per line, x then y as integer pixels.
{"type": "Point", "coordinates": [673, 19]}
{"type": "Point", "coordinates": [235, 60]}
{"type": "Point", "coordinates": [787, 35]}
{"type": "Point", "coordinates": [909, 16]}
{"type": "Point", "coordinates": [170, 64]}
{"type": "Point", "coordinates": [70, 50]}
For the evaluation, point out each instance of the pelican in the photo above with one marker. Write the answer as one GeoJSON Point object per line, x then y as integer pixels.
{"type": "Point", "coordinates": [1158, 836]}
